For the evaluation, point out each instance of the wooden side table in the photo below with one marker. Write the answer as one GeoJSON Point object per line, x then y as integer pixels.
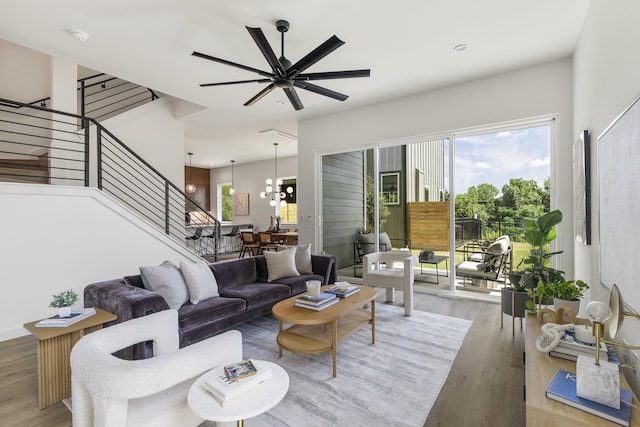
{"type": "Point", "coordinates": [54, 350]}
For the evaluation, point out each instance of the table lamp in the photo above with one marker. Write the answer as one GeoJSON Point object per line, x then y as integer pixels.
{"type": "Point", "coordinates": [600, 382]}
{"type": "Point", "coordinates": [613, 315]}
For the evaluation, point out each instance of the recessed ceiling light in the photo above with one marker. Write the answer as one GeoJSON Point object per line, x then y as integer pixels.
{"type": "Point", "coordinates": [80, 35]}
{"type": "Point", "coordinates": [460, 48]}
{"type": "Point", "coordinates": [280, 102]}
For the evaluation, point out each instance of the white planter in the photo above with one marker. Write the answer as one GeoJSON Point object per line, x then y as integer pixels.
{"type": "Point", "coordinates": [574, 305]}
{"type": "Point", "coordinates": [64, 311]}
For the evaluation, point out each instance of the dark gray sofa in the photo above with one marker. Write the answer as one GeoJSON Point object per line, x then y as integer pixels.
{"type": "Point", "coordinates": [244, 291]}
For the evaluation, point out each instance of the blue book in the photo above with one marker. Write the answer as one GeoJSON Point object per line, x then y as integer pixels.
{"type": "Point", "coordinates": [563, 389]}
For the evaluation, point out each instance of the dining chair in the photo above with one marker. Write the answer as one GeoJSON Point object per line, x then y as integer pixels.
{"type": "Point", "coordinates": [249, 244]}
{"type": "Point", "coordinates": [266, 242]}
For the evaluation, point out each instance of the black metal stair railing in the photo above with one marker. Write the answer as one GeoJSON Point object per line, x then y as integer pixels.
{"type": "Point", "coordinates": [41, 145]}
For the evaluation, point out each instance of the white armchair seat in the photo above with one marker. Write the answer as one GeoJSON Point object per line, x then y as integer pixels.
{"type": "Point", "coordinates": [112, 392]}
{"type": "Point", "coordinates": [391, 270]}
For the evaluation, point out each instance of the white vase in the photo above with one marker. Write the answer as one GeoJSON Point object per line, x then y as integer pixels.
{"type": "Point", "coordinates": [64, 311]}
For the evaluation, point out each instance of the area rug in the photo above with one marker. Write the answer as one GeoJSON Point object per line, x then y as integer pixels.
{"type": "Point", "coordinates": [393, 382]}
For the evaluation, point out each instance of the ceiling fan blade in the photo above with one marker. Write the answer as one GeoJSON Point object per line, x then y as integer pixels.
{"type": "Point", "coordinates": [293, 98]}
{"type": "Point", "coordinates": [260, 95]}
{"type": "Point", "coordinates": [314, 56]}
{"type": "Point", "coordinates": [321, 90]}
{"type": "Point", "coordinates": [265, 48]}
{"type": "Point", "coordinates": [334, 75]}
{"type": "Point", "coordinates": [233, 64]}
{"type": "Point", "coordinates": [236, 82]}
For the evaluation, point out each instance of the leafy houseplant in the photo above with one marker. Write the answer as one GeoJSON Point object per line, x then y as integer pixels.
{"type": "Point", "coordinates": [539, 234]}
{"type": "Point", "coordinates": [569, 290]}
{"type": "Point", "coordinates": [63, 302]}
{"type": "Point", "coordinates": [534, 278]}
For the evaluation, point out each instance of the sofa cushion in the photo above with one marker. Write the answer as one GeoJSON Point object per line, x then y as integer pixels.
{"type": "Point", "coordinates": [200, 281]}
{"type": "Point", "coordinates": [235, 272]}
{"type": "Point", "coordinates": [303, 257]}
{"type": "Point", "coordinates": [208, 310]}
{"type": "Point", "coordinates": [281, 264]}
{"type": "Point", "coordinates": [258, 293]}
{"type": "Point", "coordinates": [298, 284]}
{"type": "Point", "coordinates": [166, 280]}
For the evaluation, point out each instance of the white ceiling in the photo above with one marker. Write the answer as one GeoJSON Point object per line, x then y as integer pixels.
{"type": "Point", "coordinates": [408, 45]}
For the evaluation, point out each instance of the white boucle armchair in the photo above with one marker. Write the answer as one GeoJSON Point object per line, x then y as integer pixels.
{"type": "Point", "coordinates": [391, 270]}
{"type": "Point", "coordinates": [112, 392]}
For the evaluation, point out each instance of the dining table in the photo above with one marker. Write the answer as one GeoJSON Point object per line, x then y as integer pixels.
{"type": "Point", "coordinates": [287, 237]}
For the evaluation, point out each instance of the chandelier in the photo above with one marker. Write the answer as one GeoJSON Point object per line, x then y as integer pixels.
{"type": "Point", "coordinates": [276, 192]}
{"type": "Point", "coordinates": [232, 189]}
{"type": "Point", "coordinates": [190, 187]}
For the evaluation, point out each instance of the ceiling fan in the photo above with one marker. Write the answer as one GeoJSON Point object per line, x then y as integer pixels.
{"type": "Point", "coordinates": [283, 74]}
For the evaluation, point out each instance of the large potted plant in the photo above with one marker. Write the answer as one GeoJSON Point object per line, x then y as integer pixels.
{"type": "Point", "coordinates": [539, 233]}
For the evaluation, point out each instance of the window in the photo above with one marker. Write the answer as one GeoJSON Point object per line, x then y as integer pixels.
{"type": "Point", "coordinates": [225, 203]}
{"type": "Point", "coordinates": [289, 212]}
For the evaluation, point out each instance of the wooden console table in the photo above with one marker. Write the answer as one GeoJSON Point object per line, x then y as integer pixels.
{"type": "Point", "coordinates": [54, 350]}
{"type": "Point", "coordinates": [539, 370]}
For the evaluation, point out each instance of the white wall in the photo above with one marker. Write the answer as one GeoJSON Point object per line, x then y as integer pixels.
{"type": "Point", "coordinates": [535, 91]}
{"type": "Point", "coordinates": [250, 178]}
{"type": "Point", "coordinates": [606, 81]}
{"type": "Point", "coordinates": [56, 238]}
{"type": "Point", "coordinates": [21, 65]}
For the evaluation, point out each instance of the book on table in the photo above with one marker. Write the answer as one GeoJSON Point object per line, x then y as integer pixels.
{"type": "Point", "coordinates": [570, 348]}
{"type": "Point", "coordinates": [562, 388]}
{"type": "Point", "coordinates": [343, 289]}
{"type": "Point", "coordinates": [322, 298]}
{"type": "Point", "coordinates": [300, 302]}
{"type": "Point", "coordinates": [225, 390]}
{"type": "Point", "coordinates": [61, 322]}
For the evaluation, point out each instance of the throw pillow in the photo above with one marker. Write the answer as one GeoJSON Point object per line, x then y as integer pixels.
{"type": "Point", "coordinates": [200, 281]}
{"type": "Point", "coordinates": [385, 242]}
{"type": "Point", "coordinates": [303, 257]}
{"type": "Point", "coordinates": [281, 264]}
{"type": "Point", "coordinates": [166, 280]}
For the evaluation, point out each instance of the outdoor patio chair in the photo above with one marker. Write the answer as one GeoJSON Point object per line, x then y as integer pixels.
{"type": "Point", "coordinates": [488, 261]}
{"type": "Point", "coordinates": [364, 244]}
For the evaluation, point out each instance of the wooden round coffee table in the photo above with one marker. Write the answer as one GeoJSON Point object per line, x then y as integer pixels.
{"type": "Point", "coordinates": [320, 331]}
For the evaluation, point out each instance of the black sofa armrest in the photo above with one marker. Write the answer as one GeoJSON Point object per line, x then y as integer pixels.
{"type": "Point", "coordinates": [326, 266]}
{"type": "Point", "coordinates": [124, 300]}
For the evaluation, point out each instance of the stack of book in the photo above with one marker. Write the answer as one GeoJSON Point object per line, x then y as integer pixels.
{"type": "Point", "coordinates": [225, 388]}
{"type": "Point", "coordinates": [570, 348]}
{"type": "Point", "coordinates": [322, 301]}
{"type": "Point", "coordinates": [563, 389]}
{"type": "Point", "coordinates": [343, 289]}
{"type": "Point", "coordinates": [61, 322]}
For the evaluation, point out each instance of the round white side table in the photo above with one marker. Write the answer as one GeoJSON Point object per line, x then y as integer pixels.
{"type": "Point", "coordinates": [264, 397]}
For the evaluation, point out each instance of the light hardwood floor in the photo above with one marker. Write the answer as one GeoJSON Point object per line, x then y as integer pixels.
{"type": "Point", "coordinates": [484, 388]}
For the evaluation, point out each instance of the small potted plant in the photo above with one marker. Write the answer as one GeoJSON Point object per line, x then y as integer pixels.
{"type": "Point", "coordinates": [568, 293]}
{"type": "Point", "coordinates": [63, 302]}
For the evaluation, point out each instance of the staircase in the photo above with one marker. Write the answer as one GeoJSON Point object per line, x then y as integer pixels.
{"type": "Point", "coordinates": [43, 146]}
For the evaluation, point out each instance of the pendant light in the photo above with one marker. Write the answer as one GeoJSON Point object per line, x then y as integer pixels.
{"type": "Point", "coordinates": [275, 192]}
{"type": "Point", "coordinates": [190, 187]}
{"type": "Point", "coordinates": [232, 189]}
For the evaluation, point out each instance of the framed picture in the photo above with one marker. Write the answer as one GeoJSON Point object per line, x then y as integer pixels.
{"type": "Point", "coordinates": [241, 204]}
{"type": "Point", "coordinates": [390, 188]}
{"type": "Point", "coordinates": [582, 191]}
{"type": "Point", "coordinates": [240, 370]}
